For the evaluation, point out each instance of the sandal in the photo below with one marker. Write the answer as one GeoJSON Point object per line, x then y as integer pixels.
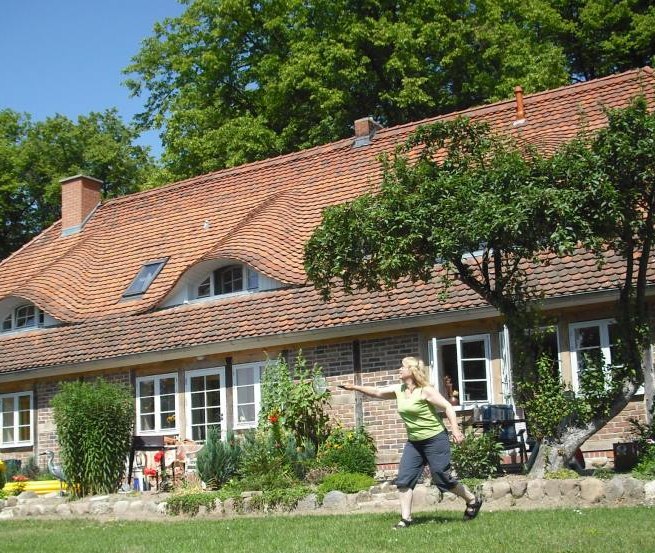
{"type": "Point", "coordinates": [404, 523]}
{"type": "Point", "coordinates": [472, 509]}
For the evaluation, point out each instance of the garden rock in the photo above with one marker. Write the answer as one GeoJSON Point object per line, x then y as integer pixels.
{"type": "Point", "coordinates": [613, 489]}
{"type": "Point", "coordinates": [535, 490]}
{"type": "Point", "coordinates": [12, 501]}
{"type": "Point", "coordinates": [649, 492]}
{"type": "Point", "coordinates": [27, 495]}
{"type": "Point", "coordinates": [552, 488]}
{"type": "Point", "coordinates": [63, 510]}
{"type": "Point", "coordinates": [518, 488]}
{"type": "Point", "coordinates": [570, 489]}
{"type": "Point", "coordinates": [591, 490]}
{"type": "Point", "coordinates": [335, 500]}
{"type": "Point", "coordinates": [500, 489]}
{"type": "Point", "coordinates": [308, 503]}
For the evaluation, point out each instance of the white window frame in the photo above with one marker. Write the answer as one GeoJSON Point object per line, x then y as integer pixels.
{"type": "Point", "coordinates": [158, 431]}
{"type": "Point", "coordinates": [437, 372]}
{"type": "Point", "coordinates": [39, 317]}
{"type": "Point", "coordinates": [246, 274]}
{"type": "Point", "coordinates": [257, 369]}
{"type": "Point", "coordinates": [220, 371]}
{"type": "Point", "coordinates": [16, 426]}
{"type": "Point", "coordinates": [603, 325]}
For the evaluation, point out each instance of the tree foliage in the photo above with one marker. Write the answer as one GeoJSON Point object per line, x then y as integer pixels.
{"type": "Point", "coordinates": [34, 156]}
{"type": "Point", "coordinates": [482, 209]}
{"type": "Point", "coordinates": [231, 81]}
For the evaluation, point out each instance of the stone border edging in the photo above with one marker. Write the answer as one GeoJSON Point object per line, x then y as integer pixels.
{"type": "Point", "coordinates": [501, 494]}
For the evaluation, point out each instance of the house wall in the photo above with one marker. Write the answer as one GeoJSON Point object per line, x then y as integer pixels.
{"type": "Point", "coordinates": [371, 360]}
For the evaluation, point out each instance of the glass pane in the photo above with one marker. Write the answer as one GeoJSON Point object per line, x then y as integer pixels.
{"type": "Point", "coordinates": [167, 403]}
{"type": "Point", "coordinates": [23, 402]}
{"type": "Point", "coordinates": [167, 386]}
{"type": "Point", "coordinates": [246, 413]}
{"type": "Point", "coordinates": [198, 433]}
{"type": "Point", "coordinates": [147, 422]}
{"type": "Point", "coordinates": [146, 388]}
{"type": "Point", "coordinates": [474, 369]}
{"type": "Point", "coordinates": [613, 331]}
{"type": "Point", "coordinates": [197, 383]}
{"type": "Point", "coordinates": [167, 420]}
{"type": "Point", "coordinates": [213, 399]}
{"type": "Point", "coordinates": [587, 337]}
{"type": "Point", "coordinates": [6, 324]}
{"type": "Point", "coordinates": [7, 435]}
{"type": "Point", "coordinates": [213, 415]}
{"type": "Point", "coordinates": [253, 279]}
{"type": "Point", "coordinates": [198, 416]}
{"type": "Point", "coordinates": [147, 404]}
{"type": "Point", "coordinates": [475, 391]}
{"type": "Point", "coordinates": [24, 433]}
{"type": "Point", "coordinates": [204, 289]}
{"type": "Point", "coordinates": [245, 376]}
{"type": "Point", "coordinates": [246, 394]}
{"type": "Point", "coordinates": [8, 405]}
{"type": "Point", "coordinates": [8, 419]}
{"type": "Point", "coordinates": [473, 349]}
{"type": "Point", "coordinates": [213, 382]}
{"type": "Point", "coordinates": [24, 418]}
{"type": "Point", "coordinates": [198, 399]}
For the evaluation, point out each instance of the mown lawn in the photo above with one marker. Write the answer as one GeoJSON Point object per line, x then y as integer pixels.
{"type": "Point", "coordinates": [625, 530]}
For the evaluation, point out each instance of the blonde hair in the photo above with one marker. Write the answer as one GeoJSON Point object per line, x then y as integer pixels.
{"type": "Point", "coordinates": [418, 370]}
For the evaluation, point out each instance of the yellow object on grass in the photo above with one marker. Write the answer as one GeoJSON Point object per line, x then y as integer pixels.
{"type": "Point", "coordinates": [41, 487]}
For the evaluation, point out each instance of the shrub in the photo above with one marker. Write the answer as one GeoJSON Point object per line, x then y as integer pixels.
{"type": "Point", "coordinates": [3, 472]}
{"type": "Point", "coordinates": [347, 482]}
{"type": "Point", "coordinates": [218, 461]}
{"type": "Point", "coordinates": [349, 451]}
{"type": "Point", "coordinates": [645, 469]}
{"type": "Point", "coordinates": [94, 426]}
{"type": "Point", "coordinates": [190, 503]}
{"type": "Point", "coordinates": [264, 462]}
{"type": "Point", "coordinates": [30, 469]}
{"type": "Point", "coordinates": [561, 474]}
{"type": "Point", "coordinates": [477, 456]}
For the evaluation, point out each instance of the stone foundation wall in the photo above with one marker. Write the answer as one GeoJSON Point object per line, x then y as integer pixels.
{"type": "Point", "coordinates": [500, 494]}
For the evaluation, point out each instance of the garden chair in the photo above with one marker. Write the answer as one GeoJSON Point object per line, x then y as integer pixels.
{"type": "Point", "coordinates": [501, 420]}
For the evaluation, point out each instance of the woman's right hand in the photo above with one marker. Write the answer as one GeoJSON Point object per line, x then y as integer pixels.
{"type": "Point", "coordinates": [345, 386]}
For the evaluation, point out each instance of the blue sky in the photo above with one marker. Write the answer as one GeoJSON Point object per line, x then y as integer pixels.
{"type": "Point", "coordinates": [66, 56]}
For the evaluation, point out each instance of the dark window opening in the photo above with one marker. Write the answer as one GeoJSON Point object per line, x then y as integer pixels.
{"type": "Point", "coordinates": [144, 278]}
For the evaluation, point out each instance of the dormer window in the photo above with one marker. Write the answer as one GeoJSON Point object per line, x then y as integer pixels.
{"type": "Point", "coordinates": [144, 278]}
{"type": "Point", "coordinates": [228, 280]}
{"type": "Point", "coordinates": [23, 317]}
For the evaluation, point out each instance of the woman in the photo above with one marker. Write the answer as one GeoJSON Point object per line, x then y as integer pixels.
{"type": "Point", "coordinates": [427, 441]}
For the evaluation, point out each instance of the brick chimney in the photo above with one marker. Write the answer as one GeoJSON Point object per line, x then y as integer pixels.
{"type": "Point", "coordinates": [520, 110]}
{"type": "Point", "coordinates": [80, 195]}
{"type": "Point", "coordinates": [364, 130]}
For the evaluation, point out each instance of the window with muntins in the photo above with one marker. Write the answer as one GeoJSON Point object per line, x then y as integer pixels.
{"type": "Point", "coordinates": [246, 394]}
{"type": "Point", "coordinates": [23, 317]}
{"type": "Point", "coordinates": [592, 342]}
{"type": "Point", "coordinates": [462, 369]}
{"type": "Point", "coordinates": [205, 400]}
{"type": "Point", "coordinates": [156, 404]}
{"type": "Point", "coordinates": [228, 280]}
{"type": "Point", "coordinates": [16, 419]}
{"type": "Point", "coordinates": [144, 278]}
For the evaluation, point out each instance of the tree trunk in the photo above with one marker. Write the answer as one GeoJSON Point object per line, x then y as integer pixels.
{"type": "Point", "coordinates": [555, 454]}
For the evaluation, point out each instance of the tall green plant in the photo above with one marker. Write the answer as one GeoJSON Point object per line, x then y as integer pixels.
{"type": "Point", "coordinates": [218, 461]}
{"type": "Point", "coordinates": [94, 427]}
{"type": "Point", "coordinates": [297, 400]}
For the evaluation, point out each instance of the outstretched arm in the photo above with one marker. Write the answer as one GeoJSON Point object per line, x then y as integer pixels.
{"type": "Point", "coordinates": [378, 393]}
{"type": "Point", "coordinates": [436, 399]}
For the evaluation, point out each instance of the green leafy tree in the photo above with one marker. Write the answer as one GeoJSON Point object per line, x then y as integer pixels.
{"type": "Point", "coordinates": [231, 81]}
{"type": "Point", "coordinates": [94, 427]}
{"type": "Point", "coordinates": [487, 207]}
{"type": "Point", "coordinates": [34, 156]}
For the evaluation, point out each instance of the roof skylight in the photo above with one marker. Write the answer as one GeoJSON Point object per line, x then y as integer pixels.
{"type": "Point", "coordinates": [144, 278]}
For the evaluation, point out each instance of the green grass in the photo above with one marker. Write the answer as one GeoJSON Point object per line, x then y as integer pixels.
{"type": "Point", "coordinates": [562, 531]}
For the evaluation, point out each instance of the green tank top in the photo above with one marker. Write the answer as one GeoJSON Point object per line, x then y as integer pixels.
{"type": "Point", "coordinates": [421, 418]}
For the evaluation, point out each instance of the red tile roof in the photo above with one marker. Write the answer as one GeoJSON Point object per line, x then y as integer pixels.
{"type": "Point", "coordinates": [260, 213]}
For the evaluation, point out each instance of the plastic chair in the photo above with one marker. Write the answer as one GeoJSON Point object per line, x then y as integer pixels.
{"type": "Point", "coordinates": [501, 420]}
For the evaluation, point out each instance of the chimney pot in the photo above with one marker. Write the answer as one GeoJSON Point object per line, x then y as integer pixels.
{"type": "Point", "coordinates": [520, 111]}
{"type": "Point", "coordinates": [80, 195]}
{"type": "Point", "coordinates": [365, 129]}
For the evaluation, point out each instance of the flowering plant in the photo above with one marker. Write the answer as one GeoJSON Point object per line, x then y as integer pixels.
{"type": "Point", "coordinates": [3, 468]}
{"type": "Point", "coordinates": [20, 480]}
{"type": "Point", "coordinates": [159, 456]}
{"type": "Point", "coordinates": [149, 471]}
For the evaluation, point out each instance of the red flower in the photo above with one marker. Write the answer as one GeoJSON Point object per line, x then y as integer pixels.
{"type": "Point", "coordinates": [159, 456]}
{"type": "Point", "coordinates": [273, 418]}
{"type": "Point", "coordinates": [20, 478]}
{"type": "Point", "coordinates": [148, 471]}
